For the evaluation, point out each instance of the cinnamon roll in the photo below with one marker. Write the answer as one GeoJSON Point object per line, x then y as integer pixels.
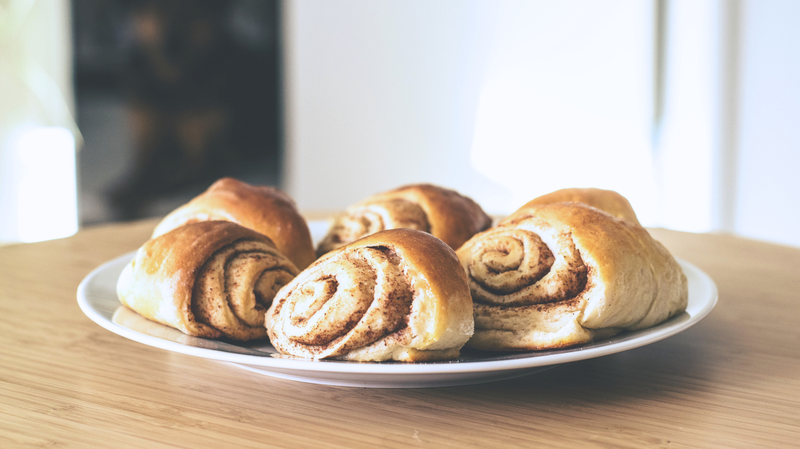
{"type": "Point", "coordinates": [606, 200]}
{"type": "Point", "coordinates": [444, 213]}
{"type": "Point", "coordinates": [562, 274]}
{"type": "Point", "coordinates": [208, 279]}
{"type": "Point", "coordinates": [395, 295]}
{"type": "Point", "coordinates": [261, 208]}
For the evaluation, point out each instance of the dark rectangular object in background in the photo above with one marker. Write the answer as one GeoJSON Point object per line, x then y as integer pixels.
{"type": "Point", "coordinates": [171, 95]}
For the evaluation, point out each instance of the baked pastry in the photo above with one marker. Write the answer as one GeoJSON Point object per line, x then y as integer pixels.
{"type": "Point", "coordinates": [605, 200]}
{"type": "Point", "coordinates": [562, 274]}
{"type": "Point", "coordinates": [444, 213]}
{"type": "Point", "coordinates": [208, 279]}
{"type": "Point", "coordinates": [261, 208]}
{"type": "Point", "coordinates": [394, 295]}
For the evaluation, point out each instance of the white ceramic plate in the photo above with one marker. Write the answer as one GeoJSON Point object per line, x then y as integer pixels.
{"type": "Point", "coordinates": [98, 299]}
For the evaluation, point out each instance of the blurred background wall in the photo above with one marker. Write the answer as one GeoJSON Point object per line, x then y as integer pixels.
{"type": "Point", "coordinates": [766, 190]}
{"type": "Point", "coordinates": [689, 108]}
{"type": "Point", "coordinates": [501, 100]}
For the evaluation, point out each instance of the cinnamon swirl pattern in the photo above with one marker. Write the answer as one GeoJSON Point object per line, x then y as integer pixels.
{"type": "Point", "coordinates": [395, 295]}
{"type": "Point", "coordinates": [444, 213]}
{"type": "Point", "coordinates": [561, 274]}
{"type": "Point", "coordinates": [208, 279]}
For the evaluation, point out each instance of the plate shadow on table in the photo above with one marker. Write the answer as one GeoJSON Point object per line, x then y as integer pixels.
{"type": "Point", "coordinates": [595, 394]}
{"type": "Point", "coordinates": [648, 372]}
{"type": "Point", "coordinates": [652, 372]}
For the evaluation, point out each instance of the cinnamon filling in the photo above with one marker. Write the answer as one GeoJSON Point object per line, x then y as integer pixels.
{"type": "Point", "coordinates": [514, 267]}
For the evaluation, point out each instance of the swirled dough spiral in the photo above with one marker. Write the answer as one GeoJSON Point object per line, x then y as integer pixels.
{"type": "Point", "coordinates": [207, 279]}
{"type": "Point", "coordinates": [444, 213]}
{"type": "Point", "coordinates": [562, 274]}
{"type": "Point", "coordinates": [395, 295]}
{"type": "Point", "coordinates": [263, 209]}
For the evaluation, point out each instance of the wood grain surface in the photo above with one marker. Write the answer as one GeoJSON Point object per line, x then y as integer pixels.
{"type": "Point", "coordinates": [733, 380]}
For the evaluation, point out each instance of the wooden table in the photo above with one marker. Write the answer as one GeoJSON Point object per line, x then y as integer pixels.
{"type": "Point", "coordinates": [733, 380]}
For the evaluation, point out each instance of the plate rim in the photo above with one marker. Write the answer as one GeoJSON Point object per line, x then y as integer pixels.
{"type": "Point", "coordinates": [592, 350]}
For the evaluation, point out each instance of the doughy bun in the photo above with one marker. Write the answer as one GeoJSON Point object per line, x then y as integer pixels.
{"type": "Point", "coordinates": [606, 200]}
{"type": "Point", "coordinates": [394, 295]}
{"type": "Point", "coordinates": [207, 279]}
{"type": "Point", "coordinates": [263, 209]}
{"type": "Point", "coordinates": [443, 213]}
{"type": "Point", "coordinates": [561, 274]}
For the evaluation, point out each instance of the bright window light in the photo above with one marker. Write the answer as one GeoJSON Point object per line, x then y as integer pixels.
{"type": "Point", "coordinates": [567, 101]}
{"type": "Point", "coordinates": [47, 206]}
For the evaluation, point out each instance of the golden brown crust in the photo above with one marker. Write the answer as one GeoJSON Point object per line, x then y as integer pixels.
{"type": "Point", "coordinates": [605, 200]}
{"type": "Point", "coordinates": [207, 279]}
{"type": "Point", "coordinates": [602, 275]}
{"type": "Point", "coordinates": [395, 295]}
{"type": "Point", "coordinates": [444, 213]}
{"type": "Point", "coordinates": [263, 209]}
